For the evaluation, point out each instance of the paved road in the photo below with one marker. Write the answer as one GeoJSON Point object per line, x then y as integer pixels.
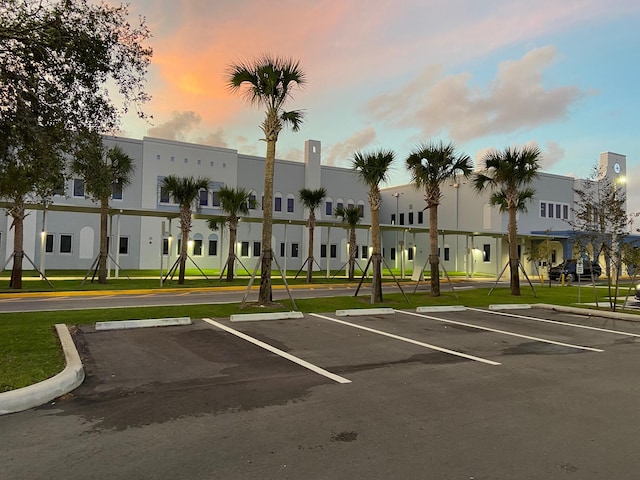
{"type": "Point", "coordinates": [522, 394]}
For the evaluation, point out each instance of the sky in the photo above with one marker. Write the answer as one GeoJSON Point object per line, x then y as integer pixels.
{"type": "Point", "coordinates": [560, 74]}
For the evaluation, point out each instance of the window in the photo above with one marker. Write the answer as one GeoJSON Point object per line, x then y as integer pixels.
{"type": "Point", "coordinates": [252, 201]}
{"type": "Point", "coordinates": [420, 217]}
{"type": "Point", "coordinates": [543, 209]}
{"type": "Point", "coordinates": [277, 201]}
{"type": "Point", "coordinates": [165, 246]}
{"type": "Point", "coordinates": [361, 209]}
{"type": "Point", "coordinates": [350, 204]}
{"type": "Point", "coordinates": [78, 187]}
{"type": "Point", "coordinates": [339, 203]}
{"type": "Point", "coordinates": [364, 250]}
{"type": "Point", "coordinates": [244, 249]}
{"type": "Point", "coordinates": [328, 207]}
{"type": "Point", "coordinates": [178, 245]}
{"type": "Point", "coordinates": [486, 252]}
{"type": "Point", "coordinates": [123, 246]}
{"type": "Point", "coordinates": [333, 250]}
{"type": "Point", "coordinates": [402, 219]}
{"type": "Point", "coordinates": [410, 253]}
{"type": "Point", "coordinates": [204, 197]}
{"type": "Point", "coordinates": [446, 254]}
{"type": "Point", "coordinates": [116, 191]}
{"type": "Point", "coordinates": [410, 218]}
{"type": "Point", "coordinates": [558, 207]}
{"type": "Point", "coordinates": [215, 200]}
{"type": "Point", "coordinates": [197, 247]}
{"type": "Point", "coordinates": [553, 257]}
{"type": "Point", "coordinates": [551, 210]}
{"type": "Point", "coordinates": [290, 205]}
{"type": "Point", "coordinates": [213, 247]}
{"type": "Point", "coordinates": [323, 251]}
{"type": "Point", "coordinates": [565, 212]}
{"type": "Point", "coordinates": [393, 219]}
{"type": "Point", "coordinates": [48, 243]}
{"type": "Point", "coordinates": [65, 243]}
{"type": "Point", "coordinates": [164, 195]}
{"type": "Point", "coordinates": [393, 253]}
{"type": "Point", "coordinates": [256, 249]}
{"type": "Point", "coordinates": [283, 249]}
{"type": "Point", "coordinates": [294, 250]}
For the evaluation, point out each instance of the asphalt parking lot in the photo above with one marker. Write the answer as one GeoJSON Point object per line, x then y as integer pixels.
{"type": "Point", "coordinates": [471, 394]}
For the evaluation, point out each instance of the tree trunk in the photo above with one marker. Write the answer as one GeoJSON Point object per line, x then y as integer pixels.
{"type": "Point", "coordinates": [310, 255]}
{"type": "Point", "coordinates": [185, 228]}
{"type": "Point", "coordinates": [233, 235]}
{"type": "Point", "coordinates": [513, 253]}
{"type": "Point", "coordinates": [352, 252]}
{"type": "Point", "coordinates": [17, 213]}
{"type": "Point", "coordinates": [433, 250]}
{"type": "Point", "coordinates": [376, 258]}
{"type": "Point", "coordinates": [264, 296]}
{"type": "Point", "coordinates": [104, 239]}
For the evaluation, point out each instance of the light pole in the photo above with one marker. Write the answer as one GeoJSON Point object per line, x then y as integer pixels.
{"type": "Point", "coordinates": [395, 223]}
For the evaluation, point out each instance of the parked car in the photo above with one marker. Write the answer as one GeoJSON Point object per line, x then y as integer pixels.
{"type": "Point", "coordinates": [638, 292]}
{"type": "Point", "coordinates": [568, 268]}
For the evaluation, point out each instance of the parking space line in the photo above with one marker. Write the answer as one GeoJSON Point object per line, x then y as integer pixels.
{"type": "Point", "coordinates": [564, 324]}
{"type": "Point", "coordinates": [503, 332]}
{"type": "Point", "coordinates": [277, 351]}
{"type": "Point", "coordinates": [408, 340]}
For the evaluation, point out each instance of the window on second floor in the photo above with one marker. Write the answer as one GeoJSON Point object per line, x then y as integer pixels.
{"type": "Point", "coordinates": [78, 187]}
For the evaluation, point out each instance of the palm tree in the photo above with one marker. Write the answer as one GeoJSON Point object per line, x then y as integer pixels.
{"type": "Point", "coordinates": [234, 202]}
{"type": "Point", "coordinates": [269, 82]}
{"type": "Point", "coordinates": [311, 199]}
{"type": "Point", "coordinates": [102, 169]}
{"type": "Point", "coordinates": [373, 169]}
{"type": "Point", "coordinates": [350, 216]}
{"type": "Point", "coordinates": [431, 165]}
{"type": "Point", "coordinates": [509, 174]}
{"type": "Point", "coordinates": [184, 191]}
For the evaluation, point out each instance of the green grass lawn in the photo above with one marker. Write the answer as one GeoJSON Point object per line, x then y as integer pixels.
{"type": "Point", "coordinates": [30, 350]}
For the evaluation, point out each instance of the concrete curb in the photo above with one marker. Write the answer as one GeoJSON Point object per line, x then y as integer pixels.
{"type": "Point", "coordinates": [255, 317]}
{"type": "Point", "coordinates": [441, 308]}
{"type": "Point", "coordinates": [589, 312]}
{"type": "Point", "coordinates": [34, 395]}
{"type": "Point", "coordinates": [510, 306]}
{"type": "Point", "coordinates": [364, 311]}
{"type": "Point", "coordinates": [150, 322]}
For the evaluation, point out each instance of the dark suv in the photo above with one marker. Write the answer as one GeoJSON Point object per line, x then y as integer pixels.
{"type": "Point", "coordinates": [568, 268]}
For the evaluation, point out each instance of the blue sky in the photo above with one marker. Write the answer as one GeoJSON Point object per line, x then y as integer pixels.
{"type": "Point", "coordinates": [558, 73]}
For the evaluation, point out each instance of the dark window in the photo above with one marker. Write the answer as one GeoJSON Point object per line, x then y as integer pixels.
{"type": "Point", "coordinates": [558, 206]}
{"type": "Point", "coordinates": [519, 251]}
{"type": "Point", "coordinates": [165, 246]}
{"type": "Point", "coordinates": [213, 247]}
{"type": "Point", "coordinates": [204, 197]}
{"type": "Point", "coordinates": [178, 244]}
{"type": "Point", "coordinates": [215, 201]}
{"type": "Point", "coordinates": [393, 219]}
{"type": "Point", "coordinates": [294, 250]}
{"type": "Point", "coordinates": [565, 212]}
{"type": "Point", "coordinates": [123, 246]}
{"type": "Point", "coordinates": [486, 252]}
{"type": "Point", "coordinates": [164, 195]}
{"type": "Point", "coordinates": [197, 247]}
{"type": "Point", "coordinates": [551, 210]}
{"type": "Point", "coordinates": [410, 218]}
{"type": "Point", "coordinates": [553, 257]}
{"type": "Point", "coordinates": [328, 207]}
{"type": "Point", "coordinates": [65, 243]}
{"type": "Point", "coordinates": [283, 249]}
{"type": "Point", "coordinates": [244, 249]}
{"type": "Point", "coordinates": [446, 254]}
{"type": "Point", "coordinates": [252, 201]}
{"type": "Point", "coordinates": [420, 217]}
{"type": "Point", "coordinates": [278, 204]}
{"type": "Point", "coordinates": [402, 219]}
{"type": "Point", "coordinates": [290, 205]}
{"type": "Point", "coordinates": [78, 187]}
{"type": "Point", "coordinates": [410, 253]}
{"type": "Point", "coordinates": [361, 210]}
{"type": "Point", "coordinates": [339, 205]}
{"type": "Point", "coordinates": [333, 251]}
{"type": "Point", "coordinates": [323, 251]}
{"type": "Point", "coordinates": [116, 191]}
{"type": "Point", "coordinates": [364, 250]}
{"type": "Point", "coordinates": [256, 249]}
{"type": "Point", "coordinates": [48, 243]}
{"type": "Point", "coordinates": [393, 253]}
{"type": "Point", "coordinates": [543, 209]}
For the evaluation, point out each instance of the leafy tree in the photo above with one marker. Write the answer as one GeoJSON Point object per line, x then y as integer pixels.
{"type": "Point", "coordinates": [184, 191]}
{"type": "Point", "coordinates": [350, 216]}
{"type": "Point", "coordinates": [234, 202]}
{"type": "Point", "coordinates": [509, 175]}
{"type": "Point", "coordinates": [431, 165]}
{"type": "Point", "coordinates": [101, 169]}
{"type": "Point", "coordinates": [373, 169]}
{"type": "Point", "coordinates": [61, 65]}
{"type": "Point", "coordinates": [269, 82]}
{"type": "Point", "coordinates": [311, 199]}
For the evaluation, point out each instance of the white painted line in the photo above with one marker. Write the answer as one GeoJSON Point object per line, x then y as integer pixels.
{"type": "Point", "coordinates": [364, 311]}
{"type": "Point", "coordinates": [564, 324]}
{"type": "Point", "coordinates": [510, 306]}
{"type": "Point", "coordinates": [277, 351]}
{"type": "Point", "coordinates": [441, 308]}
{"type": "Point", "coordinates": [408, 340]}
{"type": "Point", "coordinates": [503, 332]}
{"type": "Point", "coordinates": [150, 322]}
{"type": "Point", "coordinates": [252, 317]}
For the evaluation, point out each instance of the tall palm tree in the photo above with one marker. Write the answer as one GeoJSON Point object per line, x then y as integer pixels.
{"type": "Point", "coordinates": [184, 191]}
{"type": "Point", "coordinates": [431, 165]}
{"type": "Point", "coordinates": [350, 216]}
{"type": "Point", "coordinates": [311, 199]}
{"type": "Point", "coordinates": [269, 82]}
{"type": "Point", "coordinates": [373, 169]}
{"type": "Point", "coordinates": [234, 202]}
{"type": "Point", "coordinates": [509, 175]}
{"type": "Point", "coordinates": [102, 169]}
